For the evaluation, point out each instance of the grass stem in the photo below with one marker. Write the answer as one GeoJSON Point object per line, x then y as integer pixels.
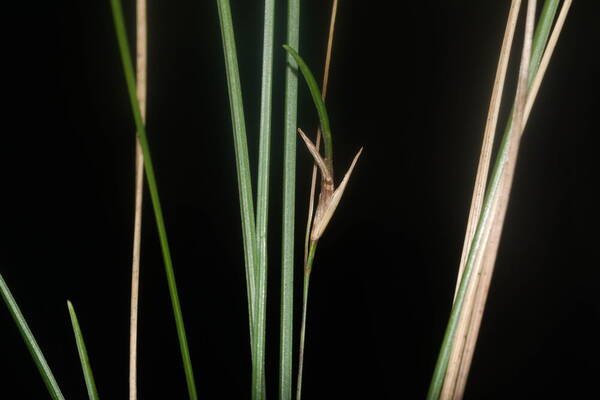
{"type": "Point", "coordinates": [262, 202]}
{"type": "Point", "coordinates": [536, 73]}
{"type": "Point", "coordinates": [289, 205]}
{"type": "Point", "coordinates": [141, 86]}
{"type": "Point", "coordinates": [482, 230]}
{"type": "Point", "coordinates": [307, 271]}
{"type": "Point", "coordinates": [153, 189]}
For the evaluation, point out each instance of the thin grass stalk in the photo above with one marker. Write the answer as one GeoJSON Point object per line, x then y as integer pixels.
{"type": "Point", "coordinates": [310, 247]}
{"type": "Point", "coordinates": [488, 134]}
{"type": "Point", "coordinates": [313, 180]}
{"type": "Point", "coordinates": [474, 255]}
{"type": "Point", "coordinates": [464, 346]}
{"type": "Point", "coordinates": [153, 189]}
{"type": "Point", "coordinates": [86, 366]}
{"type": "Point", "coordinates": [141, 86]}
{"type": "Point", "coordinates": [481, 178]}
{"type": "Point", "coordinates": [502, 198]}
{"type": "Point", "coordinates": [30, 342]}
{"type": "Point", "coordinates": [535, 78]}
{"type": "Point", "coordinates": [242, 159]}
{"type": "Point", "coordinates": [289, 206]}
{"type": "Point", "coordinates": [262, 202]}
{"type": "Point", "coordinates": [307, 272]}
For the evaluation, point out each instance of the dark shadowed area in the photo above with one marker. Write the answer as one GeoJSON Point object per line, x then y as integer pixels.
{"type": "Point", "coordinates": [412, 86]}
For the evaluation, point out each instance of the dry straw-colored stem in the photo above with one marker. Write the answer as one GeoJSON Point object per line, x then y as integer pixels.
{"type": "Point", "coordinates": [141, 80]}
{"type": "Point", "coordinates": [479, 193]}
{"type": "Point", "coordinates": [488, 134]}
{"type": "Point", "coordinates": [493, 241]}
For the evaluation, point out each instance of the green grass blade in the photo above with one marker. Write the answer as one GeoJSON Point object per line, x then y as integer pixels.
{"type": "Point", "coordinates": [540, 38]}
{"type": "Point", "coordinates": [262, 202]}
{"type": "Point", "coordinates": [241, 152]}
{"type": "Point", "coordinates": [315, 93]}
{"type": "Point", "coordinates": [153, 189]}
{"type": "Point", "coordinates": [90, 383]}
{"type": "Point", "coordinates": [240, 146]}
{"type": "Point", "coordinates": [289, 206]}
{"type": "Point", "coordinates": [539, 43]}
{"type": "Point", "coordinates": [32, 346]}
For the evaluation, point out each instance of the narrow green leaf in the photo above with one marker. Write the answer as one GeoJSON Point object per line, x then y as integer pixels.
{"type": "Point", "coordinates": [289, 206]}
{"type": "Point", "coordinates": [90, 383]}
{"type": "Point", "coordinates": [315, 93]}
{"type": "Point", "coordinates": [539, 43]}
{"type": "Point", "coordinates": [262, 202]}
{"type": "Point", "coordinates": [241, 152]}
{"type": "Point", "coordinates": [540, 38]}
{"type": "Point", "coordinates": [32, 346]}
{"type": "Point", "coordinates": [153, 189]}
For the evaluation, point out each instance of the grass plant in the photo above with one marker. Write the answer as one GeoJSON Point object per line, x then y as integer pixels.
{"type": "Point", "coordinates": [484, 227]}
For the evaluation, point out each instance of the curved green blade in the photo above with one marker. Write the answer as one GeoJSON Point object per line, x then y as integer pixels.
{"type": "Point", "coordinates": [83, 356]}
{"type": "Point", "coordinates": [32, 346]}
{"type": "Point", "coordinates": [315, 93]}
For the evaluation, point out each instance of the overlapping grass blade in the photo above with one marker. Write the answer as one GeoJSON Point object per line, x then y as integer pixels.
{"type": "Point", "coordinates": [153, 189]}
{"type": "Point", "coordinates": [490, 254]}
{"type": "Point", "coordinates": [255, 254]}
{"type": "Point", "coordinates": [485, 221]}
{"type": "Point", "coordinates": [262, 201]}
{"type": "Point", "coordinates": [90, 383]}
{"type": "Point", "coordinates": [241, 152]}
{"type": "Point", "coordinates": [289, 206]}
{"type": "Point", "coordinates": [30, 342]}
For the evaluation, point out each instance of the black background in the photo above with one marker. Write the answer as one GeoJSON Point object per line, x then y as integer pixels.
{"type": "Point", "coordinates": [412, 86]}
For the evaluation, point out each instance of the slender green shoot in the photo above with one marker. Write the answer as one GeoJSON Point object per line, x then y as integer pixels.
{"type": "Point", "coordinates": [255, 256]}
{"type": "Point", "coordinates": [30, 342]}
{"type": "Point", "coordinates": [90, 383]}
{"type": "Point", "coordinates": [315, 93]}
{"type": "Point", "coordinates": [241, 152]}
{"type": "Point", "coordinates": [307, 271]}
{"type": "Point", "coordinates": [153, 189]}
{"type": "Point", "coordinates": [495, 182]}
{"type": "Point", "coordinates": [262, 201]}
{"type": "Point", "coordinates": [289, 206]}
